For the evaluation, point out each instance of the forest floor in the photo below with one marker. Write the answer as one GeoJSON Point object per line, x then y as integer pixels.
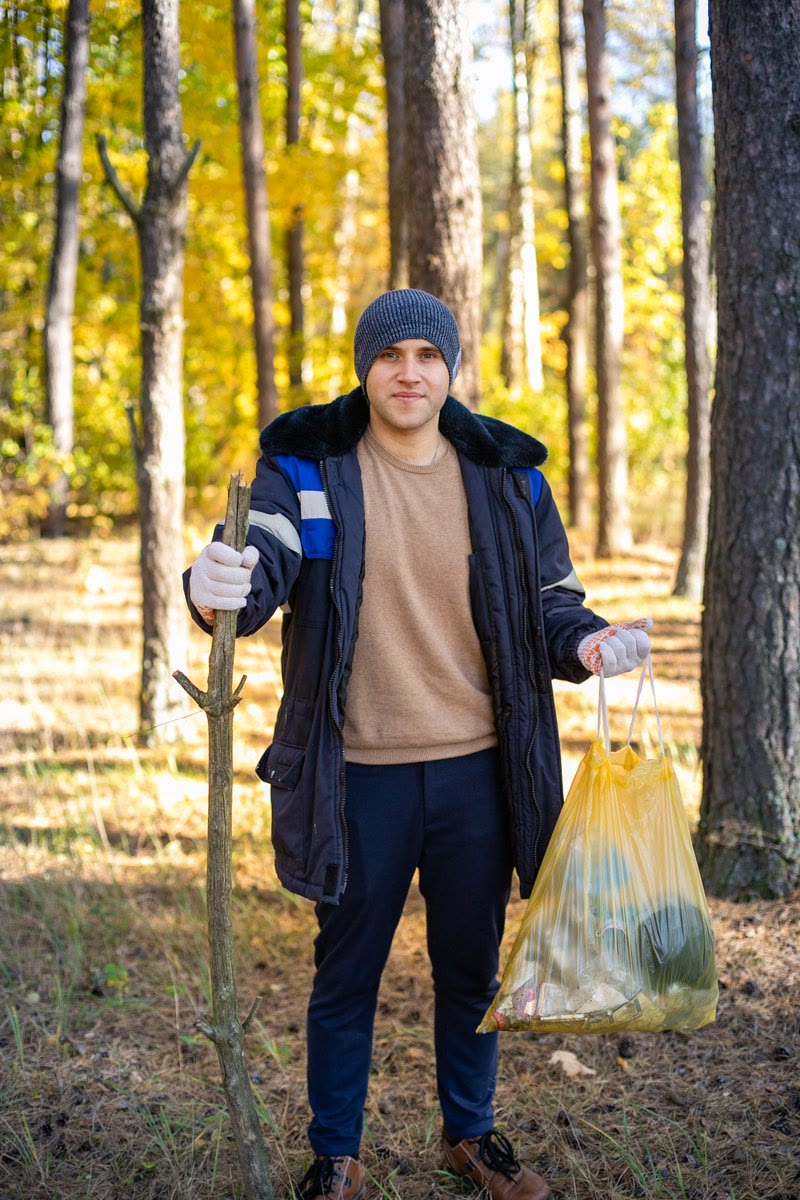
{"type": "Point", "coordinates": [106, 1087]}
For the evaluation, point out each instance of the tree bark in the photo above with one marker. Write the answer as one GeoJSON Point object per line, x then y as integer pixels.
{"type": "Point", "coordinates": [749, 834]}
{"type": "Point", "coordinates": [689, 579]}
{"type": "Point", "coordinates": [614, 534]}
{"type": "Point", "coordinates": [162, 228]}
{"type": "Point", "coordinates": [444, 199]}
{"type": "Point", "coordinates": [392, 45]}
{"type": "Point", "coordinates": [58, 350]}
{"type": "Point", "coordinates": [227, 1031]}
{"type": "Point", "coordinates": [576, 332]}
{"type": "Point", "coordinates": [294, 236]}
{"type": "Point", "coordinates": [255, 186]}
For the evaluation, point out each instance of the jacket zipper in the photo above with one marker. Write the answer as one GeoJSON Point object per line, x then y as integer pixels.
{"type": "Point", "coordinates": [528, 660]}
{"type": "Point", "coordinates": [335, 672]}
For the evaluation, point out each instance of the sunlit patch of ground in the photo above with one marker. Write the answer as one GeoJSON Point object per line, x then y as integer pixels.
{"type": "Point", "coordinates": [107, 1089]}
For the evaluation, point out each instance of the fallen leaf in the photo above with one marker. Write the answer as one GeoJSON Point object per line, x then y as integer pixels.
{"type": "Point", "coordinates": [570, 1064]}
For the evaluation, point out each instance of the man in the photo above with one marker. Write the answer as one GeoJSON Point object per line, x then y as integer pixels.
{"type": "Point", "coordinates": [429, 599]}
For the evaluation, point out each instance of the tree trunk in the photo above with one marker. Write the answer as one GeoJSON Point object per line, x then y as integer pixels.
{"type": "Point", "coordinates": [347, 231]}
{"type": "Point", "coordinates": [512, 342]}
{"type": "Point", "coordinates": [255, 186]}
{"type": "Point", "coordinates": [444, 199]}
{"type": "Point", "coordinates": [614, 535]}
{"type": "Point", "coordinates": [577, 328]}
{"type": "Point", "coordinates": [393, 25]}
{"type": "Point", "coordinates": [523, 50]}
{"type": "Point", "coordinates": [59, 361]}
{"type": "Point", "coordinates": [689, 580]}
{"type": "Point", "coordinates": [161, 226]}
{"type": "Point", "coordinates": [749, 834]}
{"type": "Point", "coordinates": [294, 236]}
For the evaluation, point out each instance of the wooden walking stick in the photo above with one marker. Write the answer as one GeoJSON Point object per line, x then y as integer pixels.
{"type": "Point", "coordinates": [227, 1032]}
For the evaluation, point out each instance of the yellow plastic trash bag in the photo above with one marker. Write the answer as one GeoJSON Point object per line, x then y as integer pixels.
{"type": "Point", "coordinates": [616, 935]}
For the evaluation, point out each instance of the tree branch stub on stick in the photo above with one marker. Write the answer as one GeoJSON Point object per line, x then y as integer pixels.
{"type": "Point", "coordinates": [227, 1031]}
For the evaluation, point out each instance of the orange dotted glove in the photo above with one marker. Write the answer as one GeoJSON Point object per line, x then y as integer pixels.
{"type": "Point", "coordinates": [617, 648]}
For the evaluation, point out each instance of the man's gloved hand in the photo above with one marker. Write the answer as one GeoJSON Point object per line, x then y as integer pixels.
{"type": "Point", "coordinates": [220, 577]}
{"type": "Point", "coordinates": [617, 648]}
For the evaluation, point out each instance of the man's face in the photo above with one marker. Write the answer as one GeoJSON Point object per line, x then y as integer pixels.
{"type": "Point", "coordinates": [406, 385]}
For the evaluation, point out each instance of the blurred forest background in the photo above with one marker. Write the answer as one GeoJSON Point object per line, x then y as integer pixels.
{"type": "Point", "coordinates": [336, 172]}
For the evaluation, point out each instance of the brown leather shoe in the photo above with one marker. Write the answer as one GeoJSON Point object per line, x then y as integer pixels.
{"type": "Point", "coordinates": [339, 1178]}
{"type": "Point", "coordinates": [489, 1162]}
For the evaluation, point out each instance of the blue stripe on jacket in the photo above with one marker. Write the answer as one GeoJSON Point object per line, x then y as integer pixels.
{"type": "Point", "coordinates": [317, 531]}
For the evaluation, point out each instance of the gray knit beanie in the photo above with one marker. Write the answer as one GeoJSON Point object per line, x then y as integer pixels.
{"type": "Point", "coordinates": [401, 314]}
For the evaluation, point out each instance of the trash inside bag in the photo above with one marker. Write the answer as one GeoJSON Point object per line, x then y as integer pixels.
{"type": "Point", "coordinates": [616, 935]}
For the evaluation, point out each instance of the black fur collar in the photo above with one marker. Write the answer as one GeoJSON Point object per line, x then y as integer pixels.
{"type": "Point", "coordinates": [321, 430]}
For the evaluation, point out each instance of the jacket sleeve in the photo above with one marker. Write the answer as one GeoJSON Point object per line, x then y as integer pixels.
{"type": "Point", "coordinates": [274, 529]}
{"type": "Point", "coordinates": [566, 619]}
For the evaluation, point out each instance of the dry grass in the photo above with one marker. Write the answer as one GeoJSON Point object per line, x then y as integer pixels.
{"type": "Point", "coordinates": [105, 1087]}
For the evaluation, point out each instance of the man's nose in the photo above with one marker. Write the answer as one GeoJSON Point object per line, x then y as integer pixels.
{"type": "Point", "coordinates": [409, 368]}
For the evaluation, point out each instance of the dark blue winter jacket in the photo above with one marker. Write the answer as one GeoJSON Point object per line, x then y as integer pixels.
{"type": "Point", "coordinates": [307, 521]}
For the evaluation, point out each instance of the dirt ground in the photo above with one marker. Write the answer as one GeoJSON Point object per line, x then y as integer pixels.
{"type": "Point", "coordinates": [107, 1088]}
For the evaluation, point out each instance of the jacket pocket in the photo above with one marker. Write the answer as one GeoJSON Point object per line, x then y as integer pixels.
{"type": "Point", "coordinates": [281, 766]}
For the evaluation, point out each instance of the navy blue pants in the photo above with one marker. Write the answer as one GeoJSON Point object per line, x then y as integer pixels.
{"type": "Point", "coordinates": [448, 819]}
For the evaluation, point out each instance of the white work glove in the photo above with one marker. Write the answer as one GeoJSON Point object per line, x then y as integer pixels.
{"type": "Point", "coordinates": [617, 648]}
{"type": "Point", "coordinates": [220, 577]}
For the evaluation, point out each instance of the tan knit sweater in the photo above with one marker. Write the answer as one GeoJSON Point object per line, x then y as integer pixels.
{"type": "Point", "coordinates": [419, 688]}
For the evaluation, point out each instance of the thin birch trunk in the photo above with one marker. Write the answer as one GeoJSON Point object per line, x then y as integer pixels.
{"type": "Point", "coordinates": [59, 358]}
{"type": "Point", "coordinates": [523, 46]}
{"type": "Point", "coordinates": [577, 328]}
{"type": "Point", "coordinates": [294, 237]}
{"type": "Point", "coordinates": [614, 532]}
{"type": "Point", "coordinates": [512, 343]}
{"type": "Point", "coordinates": [696, 303]}
{"type": "Point", "coordinates": [347, 232]}
{"type": "Point", "coordinates": [258, 225]}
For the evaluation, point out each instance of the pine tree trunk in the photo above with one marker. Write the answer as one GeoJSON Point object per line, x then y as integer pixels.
{"type": "Point", "coordinates": [294, 236]}
{"type": "Point", "coordinates": [161, 227]}
{"type": "Point", "coordinates": [749, 834]}
{"type": "Point", "coordinates": [255, 186]}
{"type": "Point", "coordinates": [614, 535]}
{"type": "Point", "coordinates": [59, 361]}
{"type": "Point", "coordinates": [577, 328]}
{"type": "Point", "coordinates": [689, 580]}
{"type": "Point", "coordinates": [444, 199]}
{"type": "Point", "coordinates": [393, 24]}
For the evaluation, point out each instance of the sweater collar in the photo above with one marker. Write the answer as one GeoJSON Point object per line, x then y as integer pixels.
{"type": "Point", "coordinates": [322, 430]}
